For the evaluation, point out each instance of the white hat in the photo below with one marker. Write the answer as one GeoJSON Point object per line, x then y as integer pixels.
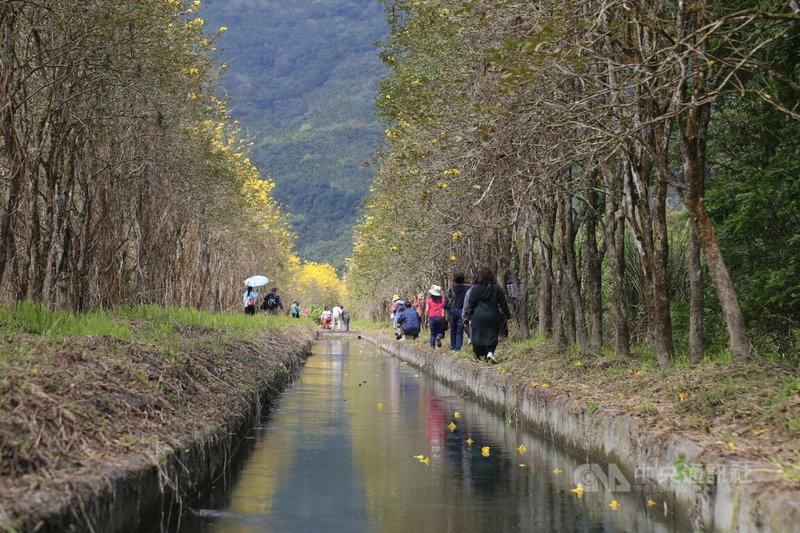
{"type": "Point", "coordinates": [435, 290]}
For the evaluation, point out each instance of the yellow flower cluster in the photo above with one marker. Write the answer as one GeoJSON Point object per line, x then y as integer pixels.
{"type": "Point", "coordinates": [452, 171]}
{"type": "Point", "coordinates": [195, 24]}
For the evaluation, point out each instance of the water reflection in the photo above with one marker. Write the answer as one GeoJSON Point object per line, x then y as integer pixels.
{"type": "Point", "coordinates": [339, 455]}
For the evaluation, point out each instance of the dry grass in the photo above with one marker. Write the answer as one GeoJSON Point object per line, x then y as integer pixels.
{"type": "Point", "coordinates": [750, 411]}
{"type": "Point", "coordinates": [70, 406]}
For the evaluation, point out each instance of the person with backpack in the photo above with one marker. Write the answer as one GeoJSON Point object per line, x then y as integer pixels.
{"type": "Point", "coordinates": [295, 309]}
{"type": "Point", "coordinates": [249, 301]}
{"type": "Point", "coordinates": [272, 302]}
{"type": "Point", "coordinates": [455, 307]}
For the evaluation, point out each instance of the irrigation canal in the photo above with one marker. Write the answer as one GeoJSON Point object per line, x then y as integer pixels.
{"type": "Point", "coordinates": [362, 442]}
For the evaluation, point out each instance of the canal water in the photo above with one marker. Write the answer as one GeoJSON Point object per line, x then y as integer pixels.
{"type": "Point", "coordinates": [361, 442]}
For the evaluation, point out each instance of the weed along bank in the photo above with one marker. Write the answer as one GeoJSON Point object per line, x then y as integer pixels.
{"type": "Point", "coordinates": [112, 433]}
{"type": "Point", "coordinates": [679, 475]}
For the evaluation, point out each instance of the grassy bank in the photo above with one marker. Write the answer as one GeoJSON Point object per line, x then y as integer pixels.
{"type": "Point", "coordinates": [81, 392]}
{"type": "Point", "coordinates": [746, 412]}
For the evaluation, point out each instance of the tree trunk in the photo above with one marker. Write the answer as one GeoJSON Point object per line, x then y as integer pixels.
{"type": "Point", "coordinates": [649, 232]}
{"type": "Point", "coordinates": [11, 141]}
{"type": "Point", "coordinates": [694, 137]}
{"type": "Point", "coordinates": [614, 230]}
{"type": "Point", "coordinates": [577, 321]}
{"type": "Point", "coordinates": [696, 299]}
{"type": "Point", "coordinates": [546, 281]}
{"type": "Point", "coordinates": [662, 326]}
{"type": "Point", "coordinates": [593, 272]}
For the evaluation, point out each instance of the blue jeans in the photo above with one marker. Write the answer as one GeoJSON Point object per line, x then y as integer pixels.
{"type": "Point", "coordinates": [436, 324]}
{"type": "Point", "coordinates": [456, 329]}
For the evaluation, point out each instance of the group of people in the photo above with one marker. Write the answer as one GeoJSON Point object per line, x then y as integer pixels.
{"type": "Point", "coordinates": [337, 319]}
{"type": "Point", "coordinates": [271, 304]}
{"type": "Point", "coordinates": [479, 310]}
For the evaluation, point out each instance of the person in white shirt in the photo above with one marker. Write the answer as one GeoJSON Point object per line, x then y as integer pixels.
{"type": "Point", "coordinates": [326, 318]}
{"type": "Point", "coordinates": [336, 314]}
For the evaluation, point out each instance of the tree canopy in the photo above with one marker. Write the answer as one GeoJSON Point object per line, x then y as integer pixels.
{"type": "Point", "coordinates": [617, 159]}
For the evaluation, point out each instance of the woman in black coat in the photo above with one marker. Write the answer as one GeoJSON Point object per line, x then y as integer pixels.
{"type": "Point", "coordinates": [488, 311]}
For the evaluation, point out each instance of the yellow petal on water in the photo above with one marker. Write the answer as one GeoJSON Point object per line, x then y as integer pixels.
{"type": "Point", "coordinates": [427, 460]}
{"type": "Point", "coordinates": [522, 448]}
{"type": "Point", "coordinates": [577, 490]}
{"type": "Point", "coordinates": [419, 457]}
{"type": "Point", "coordinates": [380, 406]}
{"type": "Point", "coordinates": [557, 471]}
{"type": "Point", "coordinates": [452, 426]}
{"type": "Point", "coordinates": [457, 415]}
{"type": "Point", "coordinates": [469, 442]}
{"type": "Point", "coordinates": [614, 505]}
{"type": "Point", "coordinates": [485, 451]}
{"type": "Point", "coordinates": [650, 503]}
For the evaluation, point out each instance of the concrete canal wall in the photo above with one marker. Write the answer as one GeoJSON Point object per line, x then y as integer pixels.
{"type": "Point", "coordinates": [712, 492]}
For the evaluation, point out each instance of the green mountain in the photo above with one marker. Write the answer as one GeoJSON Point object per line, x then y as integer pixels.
{"type": "Point", "coordinates": [302, 78]}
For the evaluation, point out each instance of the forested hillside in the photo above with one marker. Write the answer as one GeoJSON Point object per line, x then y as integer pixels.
{"type": "Point", "coordinates": [303, 76]}
{"type": "Point", "coordinates": [632, 165]}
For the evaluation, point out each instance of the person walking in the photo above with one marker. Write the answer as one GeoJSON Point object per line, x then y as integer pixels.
{"type": "Point", "coordinates": [249, 301]}
{"type": "Point", "coordinates": [435, 315]}
{"type": "Point", "coordinates": [466, 316]}
{"type": "Point", "coordinates": [455, 308]}
{"type": "Point", "coordinates": [346, 318]}
{"type": "Point", "coordinates": [487, 308]}
{"type": "Point", "coordinates": [326, 318]}
{"type": "Point", "coordinates": [295, 309]}
{"type": "Point", "coordinates": [336, 314]}
{"type": "Point", "coordinates": [272, 302]}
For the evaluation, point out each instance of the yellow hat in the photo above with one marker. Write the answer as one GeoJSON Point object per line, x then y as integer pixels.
{"type": "Point", "coordinates": [395, 297]}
